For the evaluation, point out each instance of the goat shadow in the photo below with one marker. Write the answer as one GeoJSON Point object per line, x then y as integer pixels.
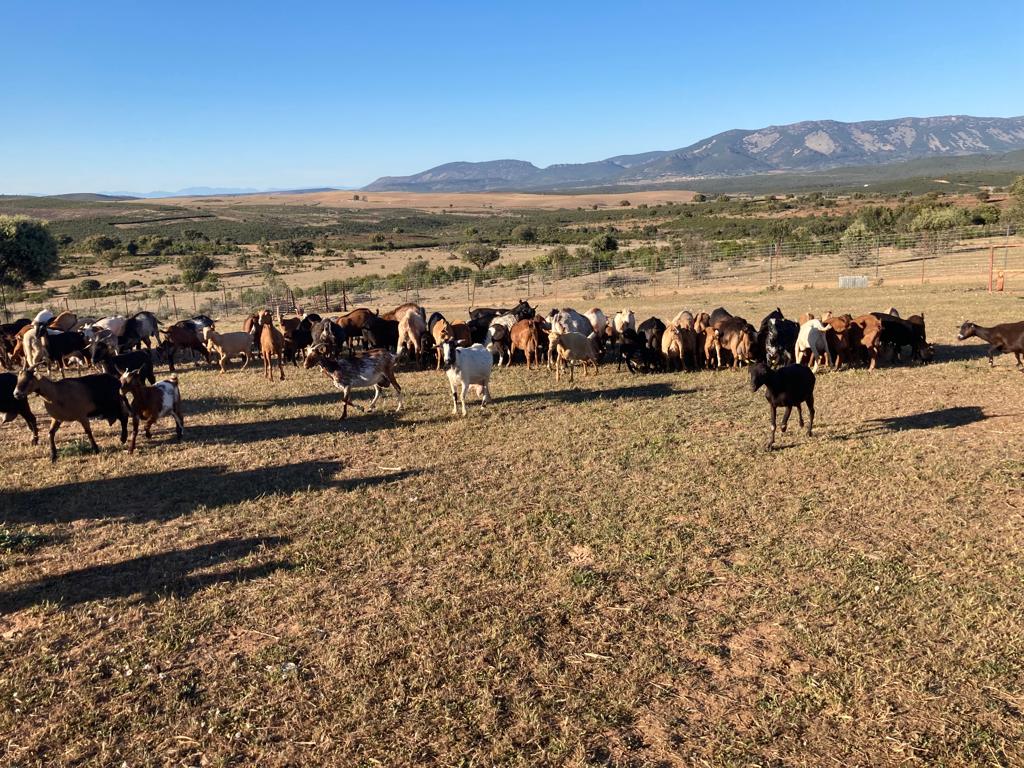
{"type": "Point", "coordinates": [946, 353]}
{"type": "Point", "coordinates": [175, 492]}
{"type": "Point", "coordinates": [567, 395]}
{"type": "Point", "coordinates": [149, 576]}
{"type": "Point", "coordinates": [297, 426]}
{"type": "Point", "coordinates": [943, 418]}
{"type": "Point", "coordinates": [203, 405]}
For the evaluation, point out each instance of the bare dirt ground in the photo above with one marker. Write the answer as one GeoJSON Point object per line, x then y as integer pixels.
{"type": "Point", "coordinates": [428, 201]}
{"type": "Point", "coordinates": [611, 573]}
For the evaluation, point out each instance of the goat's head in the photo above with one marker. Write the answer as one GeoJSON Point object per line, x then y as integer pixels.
{"type": "Point", "coordinates": [967, 330]}
{"type": "Point", "coordinates": [27, 383]}
{"type": "Point", "coordinates": [131, 380]}
{"type": "Point", "coordinates": [315, 353]}
{"type": "Point", "coordinates": [449, 352]}
{"type": "Point", "coordinates": [758, 376]}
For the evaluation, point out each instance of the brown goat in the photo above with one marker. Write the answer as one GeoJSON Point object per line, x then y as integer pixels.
{"type": "Point", "coordinates": [525, 335]}
{"type": "Point", "coordinates": [271, 343]}
{"type": "Point", "coordinates": [148, 404]}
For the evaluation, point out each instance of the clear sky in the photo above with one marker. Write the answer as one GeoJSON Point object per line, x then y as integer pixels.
{"type": "Point", "coordinates": [139, 95]}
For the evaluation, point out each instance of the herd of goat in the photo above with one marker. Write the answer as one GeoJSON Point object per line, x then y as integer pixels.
{"type": "Point", "coordinates": [783, 354]}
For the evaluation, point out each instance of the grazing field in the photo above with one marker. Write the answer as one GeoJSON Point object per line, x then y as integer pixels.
{"type": "Point", "coordinates": [614, 573]}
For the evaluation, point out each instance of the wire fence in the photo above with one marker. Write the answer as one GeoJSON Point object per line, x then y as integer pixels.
{"type": "Point", "coordinates": [985, 257]}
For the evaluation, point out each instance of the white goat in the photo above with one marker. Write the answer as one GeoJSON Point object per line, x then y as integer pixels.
{"type": "Point", "coordinates": [598, 320]}
{"type": "Point", "coordinates": [623, 320]}
{"type": "Point", "coordinates": [467, 367]}
{"type": "Point", "coordinates": [812, 339]}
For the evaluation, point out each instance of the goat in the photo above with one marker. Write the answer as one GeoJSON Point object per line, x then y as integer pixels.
{"type": "Point", "coordinates": [138, 330]}
{"type": "Point", "coordinates": [183, 335]}
{"type": "Point", "coordinates": [10, 406]}
{"type": "Point", "coordinates": [442, 330]}
{"type": "Point", "coordinates": [1005, 337]}
{"type": "Point", "coordinates": [65, 321]}
{"type": "Point", "coordinates": [672, 348]}
{"type": "Point", "coordinates": [785, 387]}
{"type": "Point", "coordinates": [652, 329]}
{"type": "Point", "coordinates": [380, 334]}
{"type": "Point", "coordinates": [57, 346]}
{"type": "Point", "coordinates": [375, 368]}
{"type": "Point", "coordinates": [411, 327]}
{"type": "Point", "coordinates": [271, 344]}
{"type": "Point", "coordinates": [79, 399]}
{"type": "Point", "coordinates": [632, 350]}
{"type": "Point", "coordinates": [228, 345]}
{"type": "Point", "coordinates": [623, 320]}
{"type": "Point", "coordinates": [525, 335]}
{"type": "Point", "coordinates": [572, 348]}
{"type": "Point", "coordinates": [149, 404]}
{"type": "Point", "coordinates": [812, 342]}
{"type": "Point", "coordinates": [467, 367]}
{"type": "Point", "coordinates": [114, 365]}
{"type": "Point", "coordinates": [735, 335]}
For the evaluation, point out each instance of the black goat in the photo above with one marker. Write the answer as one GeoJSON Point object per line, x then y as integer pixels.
{"type": "Point", "coordinates": [140, 360]}
{"type": "Point", "coordinates": [380, 334]}
{"type": "Point", "coordinates": [59, 345]}
{"type": "Point", "coordinates": [10, 406]}
{"type": "Point", "coordinates": [786, 387]}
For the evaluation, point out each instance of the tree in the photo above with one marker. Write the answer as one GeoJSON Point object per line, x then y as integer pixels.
{"type": "Point", "coordinates": [132, 248]}
{"type": "Point", "coordinates": [28, 252]}
{"type": "Point", "coordinates": [480, 255]}
{"type": "Point", "coordinates": [524, 233]}
{"type": "Point", "coordinates": [700, 197]}
{"type": "Point", "coordinates": [294, 250]}
{"type": "Point", "coordinates": [936, 227]}
{"type": "Point", "coordinates": [195, 267]}
{"type": "Point", "coordinates": [604, 244]}
{"type": "Point", "coordinates": [1015, 211]}
{"type": "Point", "coordinates": [856, 245]}
{"type": "Point", "coordinates": [103, 247]}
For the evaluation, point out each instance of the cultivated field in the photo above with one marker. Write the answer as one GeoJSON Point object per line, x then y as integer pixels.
{"type": "Point", "coordinates": [608, 574]}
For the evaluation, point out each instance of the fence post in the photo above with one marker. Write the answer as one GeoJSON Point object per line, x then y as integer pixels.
{"type": "Point", "coordinates": [124, 292]}
{"type": "Point", "coordinates": [175, 303]}
{"type": "Point", "coordinates": [991, 265]}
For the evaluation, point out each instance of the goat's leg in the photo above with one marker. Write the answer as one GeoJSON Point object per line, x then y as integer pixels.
{"type": "Point", "coordinates": [135, 433]}
{"type": "Point", "coordinates": [54, 426]}
{"type": "Point", "coordinates": [800, 413]}
{"type": "Point", "coordinates": [1019, 363]}
{"type": "Point", "coordinates": [149, 426]}
{"type": "Point", "coordinates": [485, 395]}
{"type": "Point", "coordinates": [785, 417]}
{"type": "Point", "coordinates": [771, 432]}
{"type": "Point", "coordinates": [88, 433]}
{"type": "Point", "coordinates": [280, 365]}
{"type": "Point", "coordinates": [455, 401]}
{"type": "Point", "coordinates": [245, 361]}
{"type": "Point", "coordinates": [462, 397]}
{"type": "Point", "coordinates": [179, 420]}
{"type": "Point", "coordinates": [376, 396]}
{"type": "Point", "coordinates": [810, 414]}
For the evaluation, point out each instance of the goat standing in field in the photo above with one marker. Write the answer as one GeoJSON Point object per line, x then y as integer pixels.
{"type": "Point", "coordinates": [271, 343]}
{"type": "Point", "coordinates": [569, 349]}
{"type": "Point", "coordinates": [467, 368]}
{"type": "Point", "coordinates": [228, 345]}
{"type": "Point", "coordinates": [78, 399]}
{"type": "Point", "coordinates": [787, 387]}
{"type": "Point", "coordinates": [375, 368]}
{"type": "Point", "coordinates": [152, 403]}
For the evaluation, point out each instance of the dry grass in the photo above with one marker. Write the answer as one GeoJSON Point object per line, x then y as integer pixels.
{"type": "Point", "coordinates": [433, 201]}
{"type": "Point", "coordinates": [614, 574]}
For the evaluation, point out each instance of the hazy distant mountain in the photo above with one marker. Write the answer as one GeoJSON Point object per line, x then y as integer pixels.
{"type": "Point", "coordinates": [800, 147]}
{"type": "Point", "coordinates": [204, 191]}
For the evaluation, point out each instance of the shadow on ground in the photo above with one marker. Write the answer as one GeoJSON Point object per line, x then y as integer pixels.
{"type": "Point", "coordinates": [149, 576]}
{"type": "Point", "coordinates": [944, 418]}
{"type": "Point", "coordinates": [580, 393]}
{"type": "Point", "coordinates": [174, 492]}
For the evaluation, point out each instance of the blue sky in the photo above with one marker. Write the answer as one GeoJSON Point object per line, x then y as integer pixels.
{"type": "Point", "coordinates": [140, 96]}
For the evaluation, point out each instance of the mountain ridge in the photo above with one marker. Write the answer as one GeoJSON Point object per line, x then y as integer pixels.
{"type": "Point", "coordinates": [806, 146]}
